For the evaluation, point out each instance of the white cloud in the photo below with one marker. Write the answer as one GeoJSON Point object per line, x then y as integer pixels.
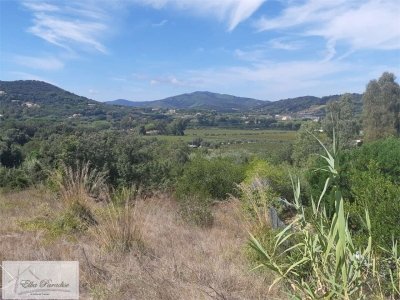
{"type": "Point", "coordinates": [251, 55]}
{"type": "Point", "coordinates": [68, 25]}
{"type": "Point", "coordinates": [37, 6]}
{"type": "Point", "coordinates": [284, 44]}
{"type": "Point", "coordinates": [168, 80]}
{"type": "Point", "coordinates": [80, 25]}
{"type": "Point", "coordinates": [373, 25]}
{"type": "Point", "coordinates": [260, 52]}
{"type": "Point", "coordinates": [273, 80]}
{"type": "Point", "coordinates": [41, 63]}
{"type": "Point", "coordinates": [231, 11]}
{"type": "Point", "coordinates": [370, 24]}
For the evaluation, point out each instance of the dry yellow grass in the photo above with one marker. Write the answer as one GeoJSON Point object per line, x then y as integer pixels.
{"type": "Point", "coordinates": [174, 260]}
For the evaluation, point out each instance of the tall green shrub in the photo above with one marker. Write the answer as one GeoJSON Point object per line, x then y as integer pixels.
{"type": "Point", "coordinates": [214, 178]}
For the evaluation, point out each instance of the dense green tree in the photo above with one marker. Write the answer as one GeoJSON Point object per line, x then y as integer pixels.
{"type": "Point", "coordinates": [177, 127]}
{"type": "Point", "coordinates": [381, 108]}
{"type": "Point", "coordinates": [10, 155]}
{"type": "Point", "coordinates": [142, 130]}
{"type": "Point", "coordinates": [306, 145]}
{"type": "Point", "coordinates": [340, 118]}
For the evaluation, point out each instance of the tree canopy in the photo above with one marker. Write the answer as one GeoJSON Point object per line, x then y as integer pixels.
{"type": "Point", "coordinates": [381, 108]}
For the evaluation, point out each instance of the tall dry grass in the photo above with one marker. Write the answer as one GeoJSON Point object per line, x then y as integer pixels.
{"type": "Point", "coordinates": [118, 228]}
{"type": "Point", "coordinates": [79, 183]}
{"type": "Point", "coordinates": [176, 260]}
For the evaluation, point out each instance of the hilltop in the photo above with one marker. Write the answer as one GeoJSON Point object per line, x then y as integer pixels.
{"type": "Point", "coordinates": [32, 98]}
{"type": "Point", "coordinates": [306, 105]}
{"type": "Point", "coordinates": [198, 100]}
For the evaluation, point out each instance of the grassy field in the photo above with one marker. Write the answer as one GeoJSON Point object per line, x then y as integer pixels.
{"type": "Point", "coordinates": [259, 142]}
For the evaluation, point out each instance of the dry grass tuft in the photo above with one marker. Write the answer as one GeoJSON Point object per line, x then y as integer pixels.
{"type": "Point", "coordinates": [80, 183]}
{"type": "Point", "coordinates": [118, 229]}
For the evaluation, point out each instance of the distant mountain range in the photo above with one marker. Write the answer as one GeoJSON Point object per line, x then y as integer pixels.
{"type": "Point", "coordinates": [56, 101]}
{"type": "Point", "coordinates": [198, 101]}
{"type": "Point", "coordinates": [228, 103]}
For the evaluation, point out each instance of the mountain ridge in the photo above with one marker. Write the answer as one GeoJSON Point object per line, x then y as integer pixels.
{"type": "Point", "coordinates": [202, 100]}
{"type": "Point", "coordinates": [66, 103]}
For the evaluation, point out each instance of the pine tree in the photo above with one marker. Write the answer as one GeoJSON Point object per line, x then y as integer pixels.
{"type": "Point", "coordinates": [381, 106]}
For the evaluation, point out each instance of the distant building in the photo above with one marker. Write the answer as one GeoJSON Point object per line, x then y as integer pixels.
{"type": "Point", "coordinates": [305, 116]}
{"type": "Point", "coordinates": [286, 118]}
{"type": "Point", "coordinates": [30, 104]}
{"type": "Point", "coordinates": [152, 132]}
{"type": "Point", "coordinates": [74, 116]}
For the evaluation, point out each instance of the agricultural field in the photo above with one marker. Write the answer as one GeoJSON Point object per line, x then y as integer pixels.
{"type": "Point", "coordinates": [259, 142]}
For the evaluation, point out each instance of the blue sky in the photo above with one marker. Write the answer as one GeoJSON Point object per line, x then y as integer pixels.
{"type": "Point", "coordinates": [151, 49]}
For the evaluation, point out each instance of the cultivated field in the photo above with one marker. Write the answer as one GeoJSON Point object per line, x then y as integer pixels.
{"type": "Point", "coordinates": [255, 141]}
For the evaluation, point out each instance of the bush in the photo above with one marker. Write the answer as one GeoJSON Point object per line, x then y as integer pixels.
{"type": "Point", "coordinates": [385, 153]}
{"type": "Point", "coordinates": [125, 158]}
{"type": "Point", "coordinates": [275, 176]}
{"type": "Point", "coordinates": [369, 177]}
{"type": "Point", "coordinates": [14, 178]}
{"type": "Point", "coordinates": [374, 191]}
{"type": "Point", "coordinates": [214, 178]}
{"type": "Point", "coordinates": [316, 256]}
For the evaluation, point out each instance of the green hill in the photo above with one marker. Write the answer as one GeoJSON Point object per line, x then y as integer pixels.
{"type": "Point", "coordinates": [314, 105]}
{"type": "Point", "coordinates": [23, 99]}
{"type": "Point", "coordinates": [198, 101]}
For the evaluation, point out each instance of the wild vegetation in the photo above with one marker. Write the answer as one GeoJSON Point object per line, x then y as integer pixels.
{"type": "Point", "coordinates": [168, 216]}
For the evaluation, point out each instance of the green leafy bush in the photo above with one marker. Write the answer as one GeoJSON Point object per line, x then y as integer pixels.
{"type": "Point", "coordinates": [204, 180]}
{"type": "Point", "coordinates": [369, 177]}
{"type": "Point", "coordinates": [214, 178]}
{"type": "Point", "coordinates": [376, 192]}
{"type": "Point", "coordinates": [126, 159]}
{"type": "Point", "coordinates": [275, 176]}
{"type": "Point", "coordinates": [14, 178]}
{"type": "Point", "coordinates": [316, 255]}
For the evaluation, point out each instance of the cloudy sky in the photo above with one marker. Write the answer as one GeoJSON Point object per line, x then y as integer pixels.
{"type": "Point", "coordinates": [151, 49]}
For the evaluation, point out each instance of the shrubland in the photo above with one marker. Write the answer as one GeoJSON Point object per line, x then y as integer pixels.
{"type": "Point", "coordinates": [156, 219]}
